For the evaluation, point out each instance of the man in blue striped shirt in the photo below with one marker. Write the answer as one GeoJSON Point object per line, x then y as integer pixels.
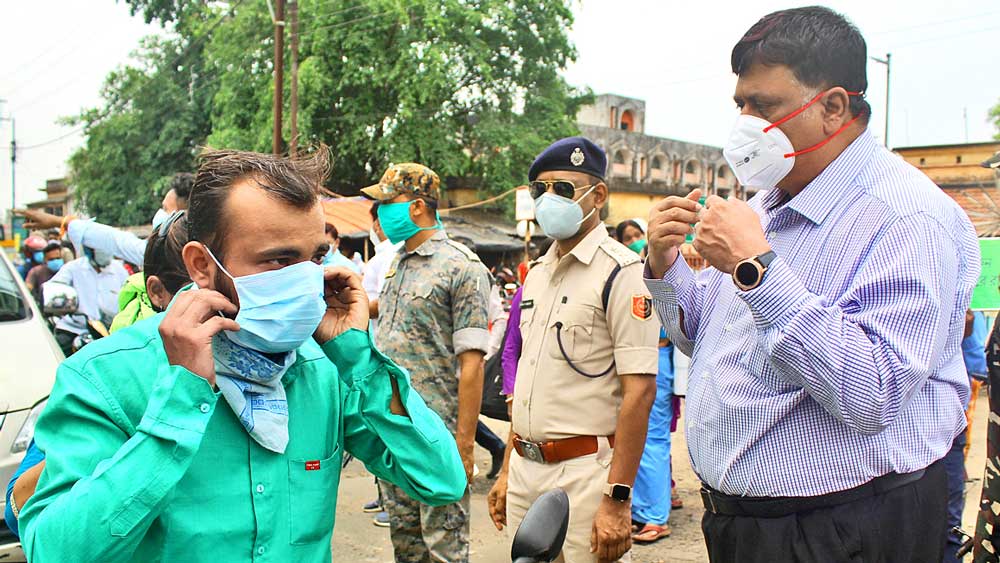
{"type": "Point", "coordinates": [826, 377]}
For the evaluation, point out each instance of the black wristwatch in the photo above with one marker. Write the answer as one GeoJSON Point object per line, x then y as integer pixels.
{"type": "Point", "coordinates": [749, 273]}
{"type": "Point", "coordinates": [618, 491]}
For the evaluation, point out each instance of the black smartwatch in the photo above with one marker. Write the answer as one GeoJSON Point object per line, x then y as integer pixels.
{"type": "Point", "coordinates": [749, 273]}
{"type": "Point", "coordinates": [618, 491]}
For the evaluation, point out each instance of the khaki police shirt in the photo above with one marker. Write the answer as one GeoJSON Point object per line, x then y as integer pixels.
{"type": "Point", "coordinates": [551, 400]}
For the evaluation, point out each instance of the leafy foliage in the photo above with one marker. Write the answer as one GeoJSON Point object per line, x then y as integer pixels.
{"type": "Point", "coordinates": [468, 87]}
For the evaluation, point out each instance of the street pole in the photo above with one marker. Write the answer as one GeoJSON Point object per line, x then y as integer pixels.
{"type": "Point", "coordinates": [887, 61]}
{"type": "Point", "coordinates": [13, 175]}
{"type": "Point", "coordinates": [279, 72]}
{"type": "Point", "coordinates": [293, 16]}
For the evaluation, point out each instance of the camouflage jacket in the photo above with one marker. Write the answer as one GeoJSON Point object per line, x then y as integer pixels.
{"type": "Point", "coordinates": [432, 308]}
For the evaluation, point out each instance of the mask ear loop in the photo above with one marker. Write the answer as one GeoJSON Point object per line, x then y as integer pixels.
{"type": "Point", "coordinates": [217, 263]}
{"type": "Point", "coordinates": [804, 108]}
{"type": "Point", "coordinates": [577, 201]}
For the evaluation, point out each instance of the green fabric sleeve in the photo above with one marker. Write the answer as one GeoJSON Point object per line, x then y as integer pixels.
{"type": "Point", "coordinates": [105, 481]}
{"type": "Point", "coordinates": [414, 451]}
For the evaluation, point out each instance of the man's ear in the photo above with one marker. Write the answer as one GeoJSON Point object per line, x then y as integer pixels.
{"type": "Point", "coordinates": [836, 110]}
{"type": "Point", "coordinates": [158, 294]}
{"type": "Point", "coordinates": [200, 266]}
{"type": "Point", "coordinates": [600, 195]}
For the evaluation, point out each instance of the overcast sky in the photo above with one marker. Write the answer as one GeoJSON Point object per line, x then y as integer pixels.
{"type": "Point", "coordinates": [672, 54]}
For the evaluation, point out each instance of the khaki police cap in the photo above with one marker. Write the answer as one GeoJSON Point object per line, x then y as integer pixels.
{"type": "Point", "coordinates": [405, 178]}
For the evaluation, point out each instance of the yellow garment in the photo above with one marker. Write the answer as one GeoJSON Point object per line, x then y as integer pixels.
{"type": "Point", "coordinates": [133, 303]}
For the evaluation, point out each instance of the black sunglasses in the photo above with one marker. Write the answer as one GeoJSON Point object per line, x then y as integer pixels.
{"type": "Point", "coordinates": [563, 188]}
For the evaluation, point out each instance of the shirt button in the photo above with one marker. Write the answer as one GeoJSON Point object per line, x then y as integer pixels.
{"type": "Point", "coordinates": [525, 403]}
{"type": "Point", "coordinates": [260, 488]}
{"type": "Point", "coordinates": [728, 327]}
{"type": "Point", "coordinates": [532, 362]}
{"type": "Point", "coordinates": [260, 550]}
{"type": "Point", "coordinates": [205, 407]}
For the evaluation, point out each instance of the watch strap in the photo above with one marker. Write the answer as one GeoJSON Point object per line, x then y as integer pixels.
{"type": "Point", "coordinates": [766, 258]}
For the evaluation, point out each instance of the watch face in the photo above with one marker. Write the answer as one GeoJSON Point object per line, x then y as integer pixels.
{"type": "Point", "coordinates": [620, 492]}
{"type": "Point", "coordinates": [746, 273]}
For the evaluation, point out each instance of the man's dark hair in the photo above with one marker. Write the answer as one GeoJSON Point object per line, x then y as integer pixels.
{"type": "Point", "coordinates": [163, 255]}
{"type": "Point", "coordinates": [52, 246]}
{"type": "Point", "coordinates": [181, 184]}
{"type": "Point", "coordinates": [374, 210]}
{"type": "Point", "coordinates": [293, 180]}
{"type": "Point", "coordinates": [620, 229]}
{"type": "Point", "coordinates": [331, 229]}
{"type": "Point", "coordinates": [820, 46]}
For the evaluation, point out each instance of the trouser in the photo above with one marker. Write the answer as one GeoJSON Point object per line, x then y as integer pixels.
{"type": "Point", "coordinates": [954, 463]}
{"type": "Point", "coordinates": [583, 480]}
{"type": "Point", "coordinates": [65, 340]}
{"type": "Point", "coordinates": [902, 525]}
{"type": "Point", "coordinates": [487, 439]}
{"type": "Point", "coordinates": [651, 494]}
{"type": "Point", "coordinates": [422, 533]}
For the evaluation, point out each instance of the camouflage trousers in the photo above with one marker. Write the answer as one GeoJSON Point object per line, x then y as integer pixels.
{"type": "Point", "coordinates": [425, 534]}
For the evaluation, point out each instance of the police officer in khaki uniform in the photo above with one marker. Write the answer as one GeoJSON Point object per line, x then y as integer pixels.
{"type": "Point", "coordinates": [586, 377]}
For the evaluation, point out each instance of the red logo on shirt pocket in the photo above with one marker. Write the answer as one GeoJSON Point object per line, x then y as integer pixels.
{"type": "Point", "coordinates": [312, 465]}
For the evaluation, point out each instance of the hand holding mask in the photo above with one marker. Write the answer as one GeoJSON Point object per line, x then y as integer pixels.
{"type": "Point", "coordinates": [346, 304]}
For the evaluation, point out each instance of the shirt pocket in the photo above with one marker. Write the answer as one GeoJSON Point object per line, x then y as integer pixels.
{"type": "Point", "coordinates": [572, 333]}
{"type": "Point", "coordinates": [312, 497]}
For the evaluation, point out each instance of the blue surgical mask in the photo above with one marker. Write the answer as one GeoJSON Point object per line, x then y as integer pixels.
{"type": "Point", "coordinates": [55, 264]}
{"type": "Point", "coordinates": [560, 217]}
{"type": "Point", "coordinates": [396, 222]}
{"type": "Point", "coordinates": [160, 216]}
{"type": "Point", "coordinates": [279, 309]}
{"type": "Point", "coordinates": [38, 257]}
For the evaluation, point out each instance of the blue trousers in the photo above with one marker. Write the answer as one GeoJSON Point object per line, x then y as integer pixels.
{"type": "Point", "coordinates": [954, 466]}
{"type": "Point", "coordinates": [651, 494]}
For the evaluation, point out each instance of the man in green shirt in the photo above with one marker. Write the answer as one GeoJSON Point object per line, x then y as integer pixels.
{"type": "Point", "coordinates": [215, 431]}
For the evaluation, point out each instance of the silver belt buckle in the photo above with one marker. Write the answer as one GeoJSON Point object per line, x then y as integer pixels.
{"type": "Point", "coordinates": [532, 451]}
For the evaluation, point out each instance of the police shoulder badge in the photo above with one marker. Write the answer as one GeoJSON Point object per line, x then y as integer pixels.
{"type": "Point", "coordinates": [577, 157]}
{"type": "Point", "coordinates": [642, 307]}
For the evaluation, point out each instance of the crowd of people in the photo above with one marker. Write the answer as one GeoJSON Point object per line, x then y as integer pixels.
{"type": "Point", "coordinates": [826, 321]}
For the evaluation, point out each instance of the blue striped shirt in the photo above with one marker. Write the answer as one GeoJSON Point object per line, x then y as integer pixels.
{"type": "Point", "coordinates": [845, 363]}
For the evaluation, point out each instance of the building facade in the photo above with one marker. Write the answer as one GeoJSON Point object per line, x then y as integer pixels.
{"type": "Point", "coordinates": [959, 171]}
{"type": "Point", "coordinates": [643, 168]}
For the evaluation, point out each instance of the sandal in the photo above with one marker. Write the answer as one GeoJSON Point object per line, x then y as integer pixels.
{"type": "Point", "coordinates": [675, 501]}
{"type": "Point", "coordinates": [651, 533]}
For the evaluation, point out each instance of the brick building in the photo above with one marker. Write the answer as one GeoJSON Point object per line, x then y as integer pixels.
{"type": "Point", "coordinates": [958, 170]}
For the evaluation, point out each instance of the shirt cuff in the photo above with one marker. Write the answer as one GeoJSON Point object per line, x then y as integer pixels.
{"type": "Point", "coordinates": [75, 230]}
{"type": "Point", "coordinates": [179, 406]}
{"type": "Point", "coordinates": [354, 354]}
{"type": "Point", "coordinates": [471, 338]}
{"type": "Point", "coordinates": [777, 298]}
{"type": "Point", "coordinates": [637, 360]}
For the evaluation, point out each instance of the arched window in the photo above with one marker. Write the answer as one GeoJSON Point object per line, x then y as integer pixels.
{"type": "Point", "coordinates": [657, 163]}
{"type": "Point", "coordinates": [619, 158]}
{"type": "Point", "coordinates": [689, 167]}
{"type": "Point", "coordinates": [722, 172]}
{"type": "Point", "coordinates": [628, 122]}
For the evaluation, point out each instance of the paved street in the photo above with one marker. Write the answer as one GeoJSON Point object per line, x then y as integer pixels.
{"type": "Point", "coordinates": [356, 540]}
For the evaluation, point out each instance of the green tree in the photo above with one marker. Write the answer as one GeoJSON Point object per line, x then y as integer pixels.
{"type": "Point", "coordinates": [468, 87]}
{"type": "Point", "coordinates": [995, 118]}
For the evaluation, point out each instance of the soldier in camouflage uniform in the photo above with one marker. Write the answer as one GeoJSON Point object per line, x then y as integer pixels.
{"type": "Point", "coordinates": [433, 321]}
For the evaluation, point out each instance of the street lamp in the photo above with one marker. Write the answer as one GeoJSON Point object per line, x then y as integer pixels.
{"type": "Point", "coordinates": [887, 61]}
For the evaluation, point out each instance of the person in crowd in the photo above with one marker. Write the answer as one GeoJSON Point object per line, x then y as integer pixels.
{"type": "Point", "coordinates": [974, 359]}
{"type": "Point", "coordinates": [829, 325]}
{"type": "Point", "coordinates": [334, 257]}
{"type": "Point", "coordinates": [586, 375]}
{"type": "Point", "coordinates": [32, 254]}
{"type": "Point", "coordinates": [165, 274]}
{"type": "Point", "coordinates": [222, 434]}
{"type": "Point", "coordinates": [632, 233]}
{"type": "Point", "coordinates": [433, 319]}
{"type": "Point", "coordinates": [52, 262]}
{"type": "Point", "coordinates": [97, 278]}
{"type": "Point", "coordinates": [110, 240]}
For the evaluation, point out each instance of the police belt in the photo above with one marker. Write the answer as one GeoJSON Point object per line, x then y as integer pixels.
{"type": "Point", "coordinates": [558, 450]}
{"type": "Point", "coordinates": [776, 507]}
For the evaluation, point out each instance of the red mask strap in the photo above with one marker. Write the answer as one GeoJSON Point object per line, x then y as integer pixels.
{"type": "Point", "coordinates": [802, 109]}
{"type": "Point", "coordinates": [824, 141]}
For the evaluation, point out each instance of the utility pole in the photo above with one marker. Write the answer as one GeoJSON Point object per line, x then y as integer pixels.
{"type": "Point", "coordinates": [887, 61]}
{"type": "Point", "coordinates": [279, 72]}
{"type": "Point", "coordinates": [13, 162]}
{"type": "Point", "coordinates": [293, 17]}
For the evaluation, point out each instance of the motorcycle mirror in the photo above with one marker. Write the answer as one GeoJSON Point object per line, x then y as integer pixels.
{"type": "Point", "coordinates": [541, 534]}
{"type": "Point", "coordinates": [59, 299]}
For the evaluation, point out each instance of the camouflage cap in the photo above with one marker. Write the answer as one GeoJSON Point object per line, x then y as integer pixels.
{"type": "Point", "coordinates": [405, 178]}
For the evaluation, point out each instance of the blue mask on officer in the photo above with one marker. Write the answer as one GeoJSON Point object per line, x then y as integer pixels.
{"type": "Point", "coordinates": [279, 309]}
{"type": "Point", "coordinates": [54, 264]}
{"type": "Point", "coordinates": [560, 217]}
{"type": "Point", "coordinates": [38, 257]}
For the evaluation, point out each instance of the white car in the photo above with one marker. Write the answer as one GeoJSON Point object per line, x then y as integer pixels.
{"type": "Point", "coordinates": [29, 357]}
